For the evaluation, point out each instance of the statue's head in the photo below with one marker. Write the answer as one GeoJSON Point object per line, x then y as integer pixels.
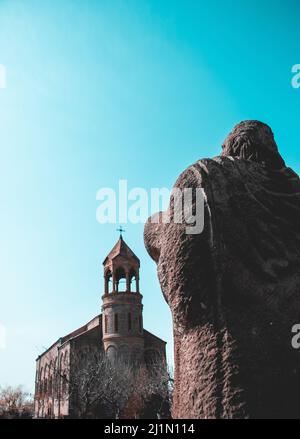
{"type": "Point", "coordinates": [253, 140]}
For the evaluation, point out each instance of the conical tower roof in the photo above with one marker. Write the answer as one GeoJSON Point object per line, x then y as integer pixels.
{"type": "Point", "coordinates": [121, 249]}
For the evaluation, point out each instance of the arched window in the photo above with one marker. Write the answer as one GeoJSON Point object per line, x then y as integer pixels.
{"type": "Point", "coordinates": [50, 375]}
{"type": "Point", "coordinates": [129, 321]}
{"type": "Point", "coordinates": [111, 353]}
{"type": "Point", "coordinates": [55, 376]}
{"type": "Point", "coordinates": [40, 380]}
{"type": "Point", "coordinates": [50, 387]}
{"type": "Point", "coordinates": [64, 361]}
{"type": "Point", "coordinates": [46, 374]}
{"type": "Point", "coordinates": [105, 324]}
{"type": "Point", "coordinates": [64, 384]}
{"type": "Point", "coordinates": [41, 386]}
{"type": "Point", "coordinates": [62, 372]}
{"type": "Point", "coordinates": [116, 322]}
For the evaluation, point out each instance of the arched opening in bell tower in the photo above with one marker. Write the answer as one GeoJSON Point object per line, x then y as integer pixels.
{"type": "Point", "coordinates": [108, 286]}
{"type": "Point", "coordinates": [133, 281]}
{"type": "Point", "coordinates": [121, 285]}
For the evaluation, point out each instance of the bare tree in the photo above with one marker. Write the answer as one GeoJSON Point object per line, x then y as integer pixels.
{"type": "Point", "coordinates": [15, 402]}
{"type": "Point", "coordinates": [96, 387]}
{"type": "Point", "coordinates": [154, 384]}
{"type": "Point", "coordinates": [101, 388]}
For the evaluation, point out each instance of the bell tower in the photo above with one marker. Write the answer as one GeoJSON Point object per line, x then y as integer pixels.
{"type": "Point", "coordinates": [122, 309]}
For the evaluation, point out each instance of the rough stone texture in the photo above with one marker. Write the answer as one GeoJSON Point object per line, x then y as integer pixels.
{"type": "Point", "coordinates": [234, 289]}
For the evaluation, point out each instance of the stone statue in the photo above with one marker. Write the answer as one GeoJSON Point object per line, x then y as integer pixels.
{"type": "Point", "coordinates": [234, 288]}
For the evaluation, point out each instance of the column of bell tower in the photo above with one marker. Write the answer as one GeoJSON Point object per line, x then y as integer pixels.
{"type": "Point", "coordinates": [122, 309]}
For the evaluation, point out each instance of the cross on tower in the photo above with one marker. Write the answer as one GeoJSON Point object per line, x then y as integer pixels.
{"type": "Point", "coordinates": [121, 230]}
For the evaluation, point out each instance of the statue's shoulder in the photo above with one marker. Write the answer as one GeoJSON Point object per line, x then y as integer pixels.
{"type": "Point", "coordinates": [204, 169]}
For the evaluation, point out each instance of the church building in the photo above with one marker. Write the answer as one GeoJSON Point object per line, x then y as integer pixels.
{"type": "Point", "coordinates": [118, 332]}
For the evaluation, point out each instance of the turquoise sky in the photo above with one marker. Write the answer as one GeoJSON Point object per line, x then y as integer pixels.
{"type": "Point", "coordinates": [99, 91]}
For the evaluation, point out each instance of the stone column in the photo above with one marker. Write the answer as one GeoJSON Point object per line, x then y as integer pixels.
{"type": "Point", "coordinates": [127, 281]}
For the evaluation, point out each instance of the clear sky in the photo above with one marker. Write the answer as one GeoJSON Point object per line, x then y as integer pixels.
{"type": "Point", "coordinates": [104, 90]}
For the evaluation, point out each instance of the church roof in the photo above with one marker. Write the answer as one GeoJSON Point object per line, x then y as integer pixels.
{"type": "Point", "coordinates": [83, 330]}
{"type": "Point", "coordinates": [121, 249]}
